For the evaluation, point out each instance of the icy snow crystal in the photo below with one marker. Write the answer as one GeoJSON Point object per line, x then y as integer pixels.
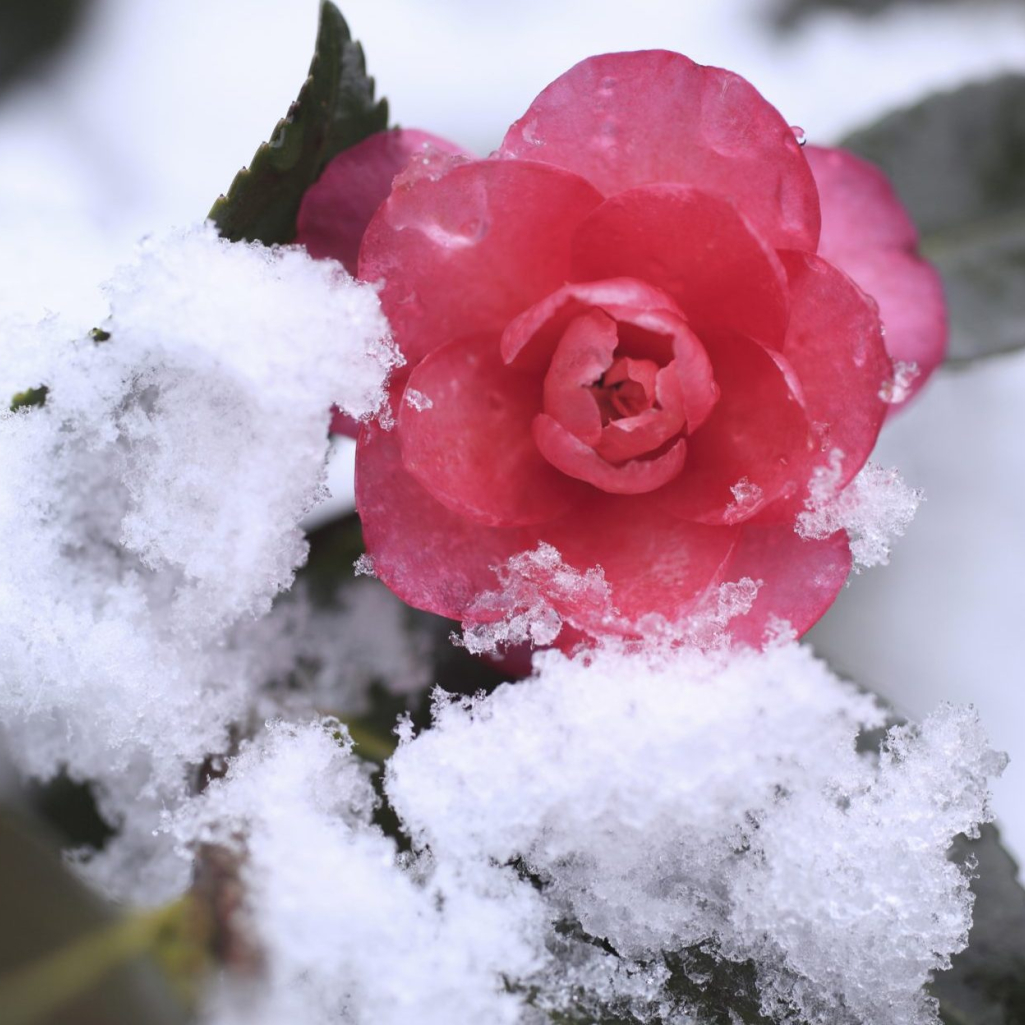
{"type": "Point", "coordinates": [896, 390]}
{"type": "Point", "coordinates": [717, 802]}
{"type": "Point", "coordinates": [151, 505]}
{"type": "Point", "coordinates": [747, 496]}
{"type": "Point", "coordinates": [876, 507]}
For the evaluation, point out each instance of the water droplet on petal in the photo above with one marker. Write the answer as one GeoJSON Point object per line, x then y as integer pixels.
{"type": "Point", "coordinates": [822, 433]}
{"type": "Point", "coordinates": [799, 134]}
{"type": "Point", "coordinates": [412, 303]}
{"type": "Point", "coordinates": [529, 133]}
{"type": "Point", "coordinates": [429, 163]}
{"type": "Point", "coordinates": [473, 230]}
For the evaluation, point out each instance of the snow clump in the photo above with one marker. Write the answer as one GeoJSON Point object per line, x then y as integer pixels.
{"type": "Point", "coordinates": [151, 504]}
{"type": "Point", "coordinates": [349, 931]}
{"type": "Point", "coordinates": [681, 804]}
{"type": "Point", "coordinates": [876, 507]}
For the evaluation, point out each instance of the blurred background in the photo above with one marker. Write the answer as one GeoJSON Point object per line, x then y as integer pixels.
{"type": "Point", "coordinates": [120, 118]}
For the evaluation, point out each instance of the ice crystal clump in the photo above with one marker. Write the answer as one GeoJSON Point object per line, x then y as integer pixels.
{"type": "Point", "coordinates": [152, 503]}
{"type": "Point", "coordinates": [876, 507]}
{"type": "Point", "coordinates": [417, 400]}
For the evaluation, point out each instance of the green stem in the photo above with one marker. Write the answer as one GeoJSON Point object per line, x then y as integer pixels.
{"type": "Point", "coordinates": [28, 995]}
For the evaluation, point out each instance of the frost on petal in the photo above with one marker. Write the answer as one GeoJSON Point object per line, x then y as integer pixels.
{"type": "Point", "coordinates": [898, 388]}
{"type": "Point", "coordinates": [537, 594]}
{"type": "Point", "coordinates": [542, 600]}
{"type": "Point", "coordinates": [747, 498]}
{"type": "Point", "coordinates": [417, 400]}
{"type": "Point", "coordinates": [688, 811]}
{"type": "Point", "coordinates": [874, 509]}
{"type": "Point", "coordinates": [364, 566]}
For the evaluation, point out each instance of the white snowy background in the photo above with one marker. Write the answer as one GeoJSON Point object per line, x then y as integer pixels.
{"type": "Point", "coordinates": [149, 116]}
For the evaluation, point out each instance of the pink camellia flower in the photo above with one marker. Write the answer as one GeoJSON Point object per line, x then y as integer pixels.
{"type": "Point", "coordinates": [626, 338]}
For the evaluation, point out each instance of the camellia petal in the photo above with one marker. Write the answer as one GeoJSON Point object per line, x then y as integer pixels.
{"type": "Point", "coordinates": [654, 563]}
{"type": "Point", "coordinates": [627, 119]}
{"type": "Point", "coordinates": [867, 233]}
{"type": "Point", "coordinates": [466, 437]}
{"type": "Point", "coordinates": [582, 355]}
{"type": "Point", "coordinates": [337, 208]}
{"type": "Point", "coordinates": [466, 252]}
{"type": "Point", "coordinates": [431, 557]}
{"type": "Point", "coordinates": [799, 578]}
{"type": "Point", "coordinates": [637, 435]}
{"type": "Point", "coordinates": [753, 448]}
{"type": "Point", "coordinates": [342, 423]}
{"type": "Point", "coordinates": [858, 205]}
{"type": "Point", "coordinates": [634, 477]}
{"type": "Point", "coordinates": [696, 247]}
{"type": "Point", "coordinates": [912, 308]}
{"type": "Point", "coordinates": [529, 339]}
{"type": "Point", "coordinates": [835, 345]}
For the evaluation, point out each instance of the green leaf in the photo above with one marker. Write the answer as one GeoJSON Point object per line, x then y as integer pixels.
{"type": "Point", "coordinates": [29, 397]}
{"type": "Point", "coordinates": [986, 985]}
{"type": "Point", "coordinates": [335, 109]}
{"type": "Point", "coordinates": [957, 160]}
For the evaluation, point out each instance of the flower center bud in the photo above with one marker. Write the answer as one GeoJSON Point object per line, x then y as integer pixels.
{"type": "Point", "coordinates": [625, 382]}
{"type": "Point", "coordinates": [626, 389]}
